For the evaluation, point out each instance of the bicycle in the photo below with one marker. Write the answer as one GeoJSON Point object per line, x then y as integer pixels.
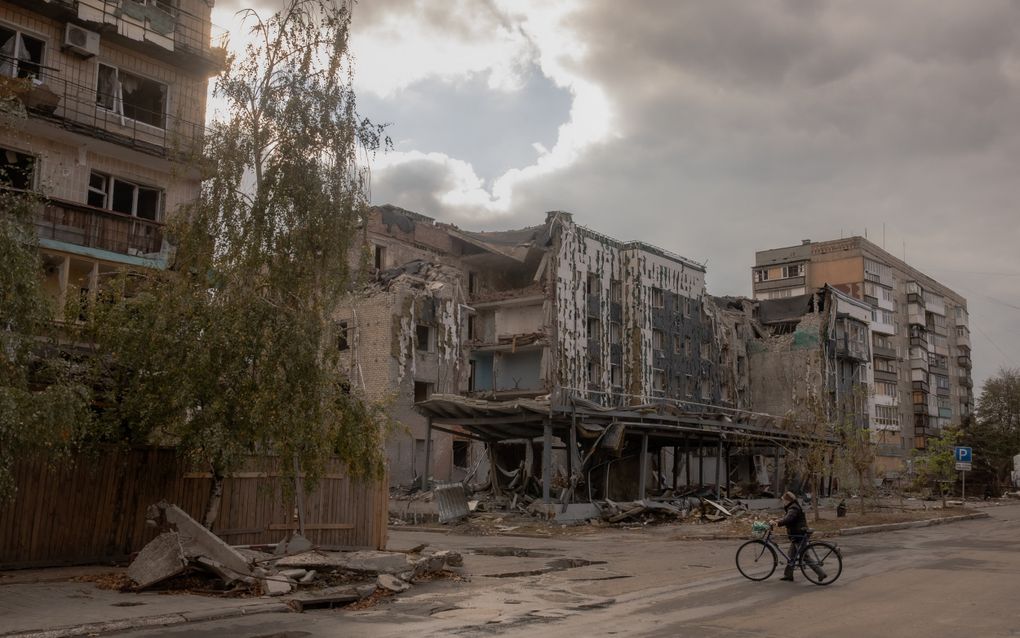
{"type": "Point", "coordinates": [757, 558]}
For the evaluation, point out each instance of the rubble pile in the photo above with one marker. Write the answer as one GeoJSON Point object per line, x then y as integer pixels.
{"type": "Point", "coordinates": [294, 568]}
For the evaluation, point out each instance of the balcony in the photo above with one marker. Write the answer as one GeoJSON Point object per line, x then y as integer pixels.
{"type": "Point", "coordinates": [158, 27]}
{"type": "Point", "coordinates": [852, 349]}
{"type": "Point", "coordinates": [919, 386]}
{"type": "Point", "coordinates": [76, 108]}
{"type": "Point", "coordinates": [964, 361]}
{"type": "Point", "coordinates": [965, 382]}
{"type": "Point", "coordinates": [81, 225]}
{"type": "Point", "coordinates": [885, 353]}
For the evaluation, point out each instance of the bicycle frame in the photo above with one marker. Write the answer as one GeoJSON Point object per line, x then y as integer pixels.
{"type": "Point", "coordinates": [795, 561]}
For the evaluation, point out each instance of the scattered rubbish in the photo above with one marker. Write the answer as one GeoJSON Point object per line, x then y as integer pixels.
{"type": "Point", "coordinates": [452, 501]}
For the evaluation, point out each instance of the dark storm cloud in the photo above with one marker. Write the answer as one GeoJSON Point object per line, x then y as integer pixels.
{"type": "Point", "coordinates": [752, 125]}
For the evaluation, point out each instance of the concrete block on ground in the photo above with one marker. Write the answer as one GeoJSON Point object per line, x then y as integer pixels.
{"type": "Point", "coordinates": [163, 557]}
{"type": "Point", "coordinates": [276, 586]}
{"type": "Point", "coordinates": [198, 541]}
{"type": "Point", "coordinates": [577, 512]}
{"type": "Point", "coordinates": [392, 583]}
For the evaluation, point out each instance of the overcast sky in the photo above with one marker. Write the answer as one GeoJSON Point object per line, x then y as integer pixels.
{"type": "Point", "coordinates": [714, 128]}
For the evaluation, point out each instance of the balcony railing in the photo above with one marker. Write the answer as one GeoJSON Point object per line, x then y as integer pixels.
{"type": "Point", "coordinates": [963, 361]}
{"type": "Point", "coordinates": [165, 30]}
{"type": "Point", "coordinates": [77, 107]}
{"type": "Point", "coordinates": [90, 227]}
{"type": "Point", "coordinates": [881, 351]}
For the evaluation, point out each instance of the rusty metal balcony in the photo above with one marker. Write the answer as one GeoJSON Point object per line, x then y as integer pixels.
{"type": "Point", "coordinates": [76, 108]}
{"type": "Point", "coordinates": [160, 29]}
{"type": "Point", "coordinates": [90, 227]}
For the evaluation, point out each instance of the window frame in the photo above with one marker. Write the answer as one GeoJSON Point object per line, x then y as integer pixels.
{"type": "Point", "coordinates": [110, 180]}
{"type": "Point", "coordinates": [117, 99]}
{"type": "Point", "coordinates": [16, 61]}
{"type": "Point", "coordinates": [33, 176]}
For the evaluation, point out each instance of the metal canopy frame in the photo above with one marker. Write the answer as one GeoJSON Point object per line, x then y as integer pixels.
{"type": "Point", "coordinates": [658, 426]}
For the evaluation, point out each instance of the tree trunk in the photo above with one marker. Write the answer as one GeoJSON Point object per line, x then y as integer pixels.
{"type": "Point", "coordinates": [860, 488]}
{"type": "Point", "coordinates": [212, 511]}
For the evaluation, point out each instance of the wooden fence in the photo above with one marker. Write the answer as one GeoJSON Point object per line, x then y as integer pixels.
{"type": "Point", "coordinates": [93, 509]}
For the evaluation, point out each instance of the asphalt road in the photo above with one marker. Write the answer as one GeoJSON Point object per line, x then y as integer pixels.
{"type": "Point", "coordinates": [961, 579]}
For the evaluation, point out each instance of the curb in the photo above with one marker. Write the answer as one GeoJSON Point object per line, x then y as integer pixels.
{"type": "Point", "coordinates": [162, 620]}
{"type": "Point", "coordinates": [852, 531]}
{"type": "Point", "coordinates": [888, 527]}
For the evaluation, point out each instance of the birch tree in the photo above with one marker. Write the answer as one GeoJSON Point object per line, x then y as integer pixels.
{"type": "Point", "coordinates": [232, 351]}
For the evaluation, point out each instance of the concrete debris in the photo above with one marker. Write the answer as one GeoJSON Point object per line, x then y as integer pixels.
{"type": "Point", "coordinates": [392, 583]}
{"type": "Point", "coordinates": [435, 563]}
{"type": "Point", "coordinates": [276, 586]}
{"type": "Point", "coordinates": [162, 558]}
{"type": "Point", "coordinates": [364, 561]}
{"type": "Point", "coordinates": [185, 545]}
{"type": "Point", "coordinates": [293, 545]}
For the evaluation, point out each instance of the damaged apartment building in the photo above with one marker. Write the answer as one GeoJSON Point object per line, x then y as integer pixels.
{"type": "Point", "coordinates": [517, 326]}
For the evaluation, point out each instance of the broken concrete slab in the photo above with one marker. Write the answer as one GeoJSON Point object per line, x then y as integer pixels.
{"type": "Point", "coordinates": [163, 557]}
{"type": "Point", "coordinates": [293, 545]}
{"type": "Point", "coordinates": [277, 586]}
{"type": "Point", "coordinates": [364, 561]}
{"type": "Point", "coordinates": [197, 541]}
{"type": "Point", "coordinates": [308, 577]}
{"type": "Point", "coordinates": [392, 583]}
{"type": "Point", "coordinates": [296, 573]}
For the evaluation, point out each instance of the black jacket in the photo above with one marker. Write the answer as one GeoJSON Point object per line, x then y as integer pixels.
{"type": "Point", "coordinates": [794, 520]}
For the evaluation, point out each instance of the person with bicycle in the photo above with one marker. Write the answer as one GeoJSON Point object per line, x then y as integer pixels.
{"type": "Point", "coordinates": [797, 531]}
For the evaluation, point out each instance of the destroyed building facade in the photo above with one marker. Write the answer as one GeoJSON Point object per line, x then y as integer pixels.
{"type": "Point", "coordinates": [554, 310]}
{"type": "Point", "coordinates": [113, 94]}
{"type": "Point", "coordinates": [919, 336]}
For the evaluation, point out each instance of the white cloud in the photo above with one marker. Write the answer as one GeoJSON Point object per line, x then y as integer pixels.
{"type": "Point", "coordinates": [399, 49]}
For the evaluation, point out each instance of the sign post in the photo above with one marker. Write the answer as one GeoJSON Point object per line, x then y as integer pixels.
{"type": "Point", "coordinates": [964, 458]}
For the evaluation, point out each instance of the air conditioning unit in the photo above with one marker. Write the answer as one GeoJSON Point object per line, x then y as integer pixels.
{"type": "Point", "coordinates": [81, 41]}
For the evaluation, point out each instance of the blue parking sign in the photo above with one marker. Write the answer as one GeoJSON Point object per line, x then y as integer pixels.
{"type": "Point", "coordinates": [964, 454]}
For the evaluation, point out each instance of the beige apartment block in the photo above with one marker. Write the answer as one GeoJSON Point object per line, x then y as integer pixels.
{"type": "Point", "coordinates": [114, 97]}
{"type": "Point", "coordinates": [920, 339]}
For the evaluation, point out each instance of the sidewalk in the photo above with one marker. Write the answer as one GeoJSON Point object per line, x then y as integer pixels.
{"type": "Point", "coordinates": [56, 609]}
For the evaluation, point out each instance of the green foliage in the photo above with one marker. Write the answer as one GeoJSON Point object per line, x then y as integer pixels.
{"type": "Point", "coordinates": [935, 466]}
{"type": "Point", "coordinates": [995, 432]}
{"type": "Point", "coordinates": [42, 407]}
{"type": "Point", "coordinates": [232, 351]}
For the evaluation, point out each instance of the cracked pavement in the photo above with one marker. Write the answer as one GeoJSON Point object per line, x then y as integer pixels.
{"type": "Point", "coordinates": [935, 581]}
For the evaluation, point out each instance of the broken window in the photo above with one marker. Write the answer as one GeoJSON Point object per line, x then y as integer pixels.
{"type": "Point", "coordinates": [594, 372]}
{"type": "Point", "coordinates": [658, 380]}
{"type": "Point", "coordinates": [422, 391]}
{"type": "Point", "coordinates": [472, 327]}
{"type": "Point", "coordinates": [131, 96]}
{"type": "Point", "coordinates": [658, 299]}
{"type": "Point", "coordinates": [592, 285]}
{"type": "Point", "coordinates": [687, 306]}
{"type": "Point", "coordinates": [460, 453]}
{"type": "Point", "coordinates": [378, 256]}
{"type": "Point", "coordinates": [472, 282]}
{"type": "Point", "coordinates": [21, 55]}
{"type": "Point", "coordinates": [594, 327]}
{"type": "Point", "coordinates": [616, 375]}
{"type": "Point", "coordinates": [472, 372]}
{"type": "Point", "coordinates": [688, 351]}
{"type": "Point", "coordinates": [706, 390]}
{"type": "Point", "coordinates": [616, 290]}
{"type": "Point", "coordinates": [678, 344]}
{"type": "Point", "coordinates": [342, 342]}
{"type": "Point", "coordinates": [689, 386]}
{"type": "Point", "coordinates": [657, 340]}
{"type": "Point", "coordinates": [124, 197]}
{"type": "Point", "coordinates": [423, 338]}
{"type": "Point", "coordinates": [17, 170]}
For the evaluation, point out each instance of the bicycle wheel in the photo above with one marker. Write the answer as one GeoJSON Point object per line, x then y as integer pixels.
{"type": "Point", "coordinates": [756, 560]}
{"type": "Point", "coordinates": [823, 557]}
